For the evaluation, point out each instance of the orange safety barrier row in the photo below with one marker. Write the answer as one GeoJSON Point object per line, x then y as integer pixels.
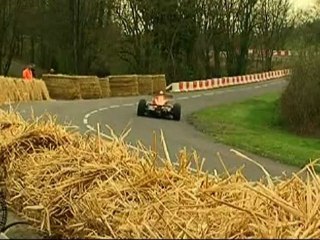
{"type": "Point", "coordinates": [200, 85]}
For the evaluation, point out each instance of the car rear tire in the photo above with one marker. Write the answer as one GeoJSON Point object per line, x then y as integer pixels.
{"type": "Point", "coordinates": [141, 107]}
{"type": "Point", "coordinates": [176, 111]}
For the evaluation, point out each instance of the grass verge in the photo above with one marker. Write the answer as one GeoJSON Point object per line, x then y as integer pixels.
{"type": "Point", "coordinates": [255, 126]}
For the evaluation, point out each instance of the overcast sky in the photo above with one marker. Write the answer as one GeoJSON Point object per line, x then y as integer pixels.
{"type": "Point", "coordinates": [302, 3]}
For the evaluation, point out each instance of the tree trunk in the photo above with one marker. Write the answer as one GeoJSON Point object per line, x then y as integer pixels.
{"type": "Point", "coordinates": [11, 52]}
{"type": "Point", "coordinates": [268, 65]}
{"type": "Point", "coordinates": [32, 50]}
{"type": "Point", "coordinates": [76, 13]}
{"type": "Point", "coordinates": [242, 63]}
{"type": "Point", "coordinates": [231, 58]}
{"type": "Point", "coordinates": [20, 46]}
{"type": "Point", "coordinates": [147, 54]}
{"type": "Point", "coordinates": [207, 63]}
{"type": "Point", "coordinates": [217, 63]}
{"type": "Point", "coordinates": [242, 57]}
{"type": "Point", "coordinates": [43, 54]}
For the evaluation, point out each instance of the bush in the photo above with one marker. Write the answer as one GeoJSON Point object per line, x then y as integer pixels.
{"type": "Point", "coordinates": [300, 102]}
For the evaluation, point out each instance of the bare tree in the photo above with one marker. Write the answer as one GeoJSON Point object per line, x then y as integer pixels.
{"type": "Point", "coordinates": [210, 40]}
{"type": "Point", "coordinates": [9, 12]}
{"type": "Point", "coordinates": [131, 18]}
{"type": "Point", "coordinates": [272, 28]}
{"type": "Point", "coordinates": [239, 22]}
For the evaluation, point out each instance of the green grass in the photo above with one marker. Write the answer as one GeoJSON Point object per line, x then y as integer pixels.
{"type": "Point", "coordinates": [255, 126]}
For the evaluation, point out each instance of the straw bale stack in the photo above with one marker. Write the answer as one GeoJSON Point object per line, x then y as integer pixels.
{"type": "Point", "coordinates": [37, 89]}
{"type": "Point", "coordinates": [89, 87]}
{"type": "Point", "coordinates": [105, 87]}
{"type": "Point", "coordinates": [124, 85]}
{"type": "Point", "coordinates": [23, 91]}
{"type": "Point", "coordinates": [86, 187]}
{"type": "Point", "coordinates": [62, 87]}
{"type": "Point", "coordinates": [41, 86]}
{"type": "Point", "coordinates": [7, 90]}
{"type": "Point", "coordinates": [159, 83]}
{"type": "Point", "coordinates": [145, 84]}
{"type": "Point", "coordinates": [18, 90]}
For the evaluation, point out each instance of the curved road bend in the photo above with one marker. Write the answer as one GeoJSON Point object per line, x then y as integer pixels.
{"type": "Point", "coordinates": [119, 112]}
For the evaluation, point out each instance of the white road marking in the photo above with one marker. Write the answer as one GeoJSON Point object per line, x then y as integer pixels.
{"type": "Point", "coordinates": [87, 115]}
{"type": "Point", "coordinates": [128, 105]}
{"type": "Point", "coordinates": [196, 96]}
{"type": "Point", "coordinates": [94, 112]}
{"type": "Point", "coordinates": [85, 121]}
{"type": "Point", "coordinates": [3, 236]}
{"type": "Point", "coordinates": [230, 90]}
{"type": "Point", "coordinates": [114, 106]}
{"type": "Point", "coordinates": [182, 98]}
{"type": "Point", "coordinates": [209, 94]}
{"type": "Point", "coordinates": [256, 87]}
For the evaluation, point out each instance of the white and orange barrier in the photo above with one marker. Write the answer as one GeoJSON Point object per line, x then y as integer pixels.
{"type": "Point", "coordinates": [201, 85]}
{"type": "Point", "coordinates": [276, 53]}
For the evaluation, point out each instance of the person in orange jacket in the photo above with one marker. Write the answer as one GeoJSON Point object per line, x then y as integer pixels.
{"type": "Point", "coordinates": [27, 74]}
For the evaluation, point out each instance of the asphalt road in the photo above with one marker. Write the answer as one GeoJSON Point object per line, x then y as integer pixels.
{"type": "Point", "coordinates": [118, 113]}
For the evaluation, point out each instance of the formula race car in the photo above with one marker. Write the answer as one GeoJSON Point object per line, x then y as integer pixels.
{"type": "Point", "coordinates": [160, 106]}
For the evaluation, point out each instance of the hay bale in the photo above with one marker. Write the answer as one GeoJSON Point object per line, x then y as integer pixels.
{"type": "Point", "coordinates": [62, 87]}
{"type": "Point", "coordinates": [89, 87]}
{"type": "Point", "coordinates": [124, 85]}
{"type": "Point", "coordinates": [35, 90]}
{"type": "Point", "coordinates": [105, 87]}
{"type": "Point", "coordinates": [38, 90]}
{"type": "Point", "coordinates": [18, 90]}
{"type": "Point", "coordinates": [72, 87]}
{"type": "Point", "coordinates": [159, 83]}
{"type": "Point", "coordinates": [12, 90]}
{"type": "Point", "coordinates": [28, 88]}
{"type": "Point", "coordinates": [8, 90]}
{"type": "Point", "coordinates": [43, 88]}
{"type": "Point", "coordinates": [87, 187]}
{"type": "Point", "coordinates": [3, 95]}
{"type": "Point", "coordinates": [22, 90]}
{"type": "Point", "coordinates": [145, 84]}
